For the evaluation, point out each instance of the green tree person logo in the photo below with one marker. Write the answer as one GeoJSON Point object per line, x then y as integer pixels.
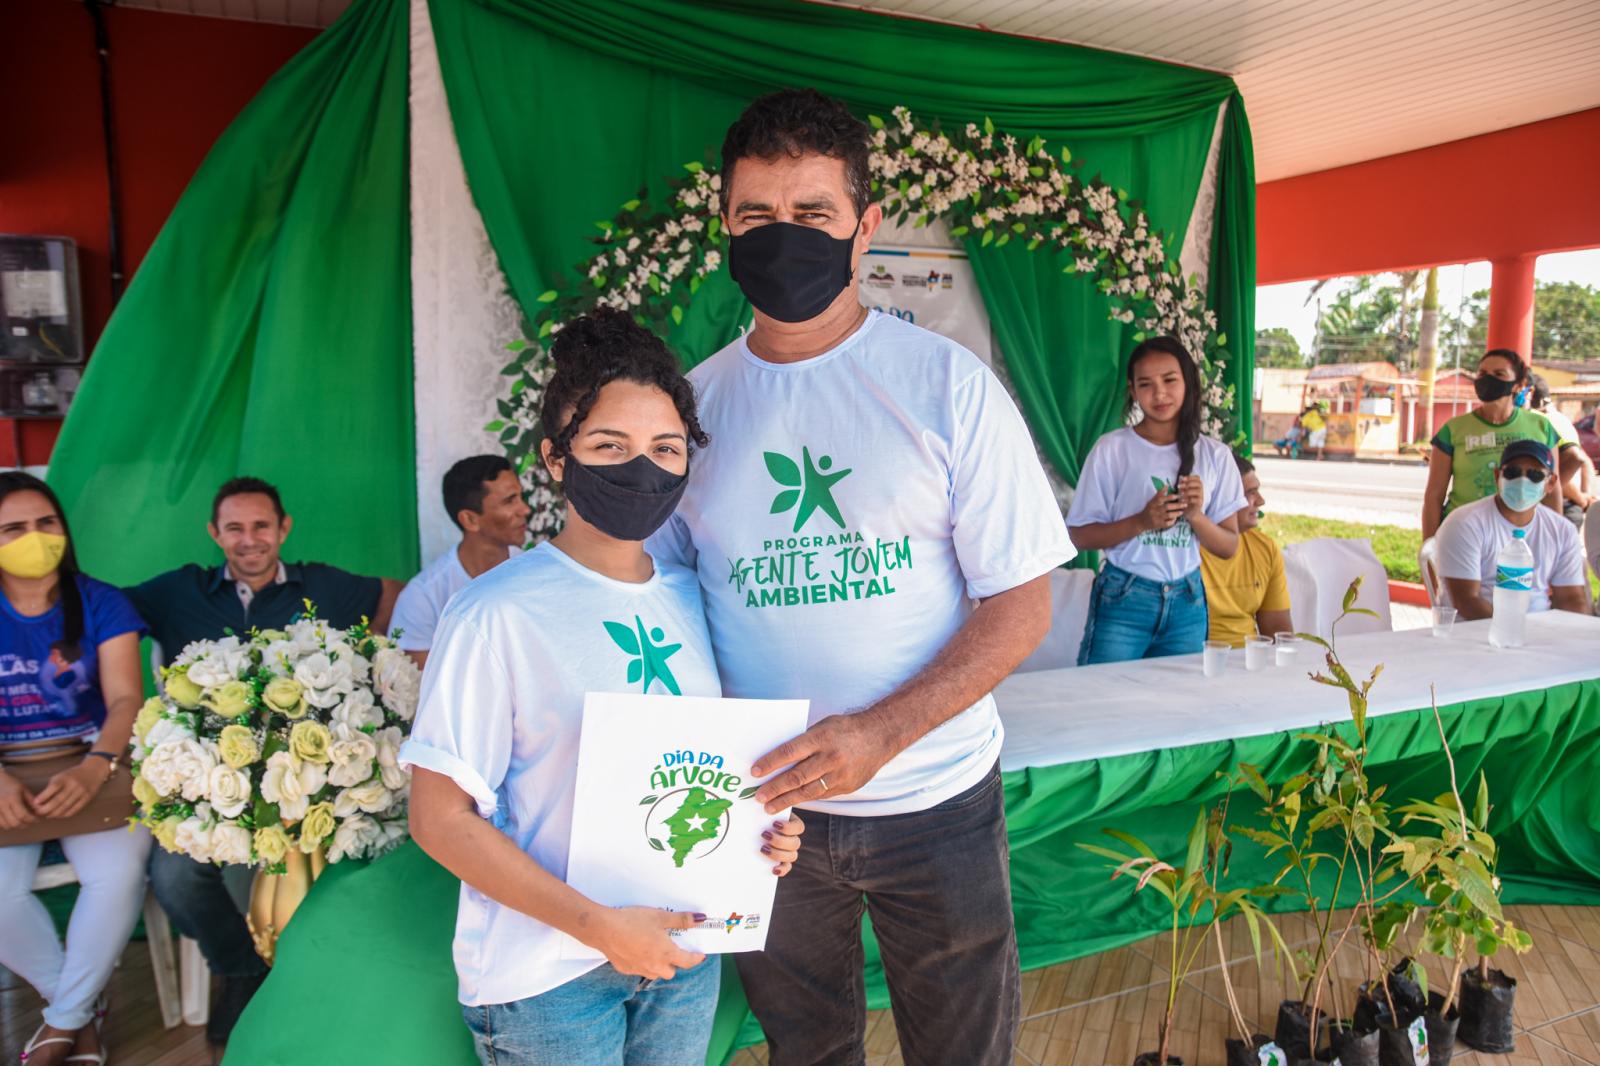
{"type": "Point", "coordinates": [812, 490]}
{"type": "Point", "coordinates": [649, 656]}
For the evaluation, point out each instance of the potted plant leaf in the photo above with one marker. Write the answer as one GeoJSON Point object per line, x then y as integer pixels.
{"type": "Point", "coordinates": [1307, 839]}
{"type": "Point", "coordinates": [1457, 876]}
{"type": "Point", "coordinates": [1194, 903]}
{"type": "Point", "coordinates": [1249, 1048]}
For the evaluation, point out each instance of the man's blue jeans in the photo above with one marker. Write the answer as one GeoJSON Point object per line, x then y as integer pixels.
{"type": "Point", "coordinates": [1132, 617]}
{"type": "Point", "coordinates": [603, 1018]}
{"type": "Point", "coordinates": [198, 903]}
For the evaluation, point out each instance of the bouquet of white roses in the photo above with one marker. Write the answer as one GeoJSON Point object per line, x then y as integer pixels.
{"type": "Point", "coordinates": [284, 740]}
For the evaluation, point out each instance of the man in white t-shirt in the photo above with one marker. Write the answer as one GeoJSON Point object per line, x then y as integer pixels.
{"type": "Point", "coordinates": [873, 532]}
{"type": "Point", "coordinates": [484, 499]}
{"type": "Point", "coordinates": [1472, 535]}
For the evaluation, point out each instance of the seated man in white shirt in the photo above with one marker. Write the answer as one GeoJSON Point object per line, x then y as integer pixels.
{"type": "Point", "coordinates": [1471, 537]}
{"type": "Point", "coordinates": [484, 499]}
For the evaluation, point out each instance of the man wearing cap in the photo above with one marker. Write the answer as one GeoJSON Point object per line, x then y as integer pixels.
{"type": "Point", "coordinates": [1472, 535]}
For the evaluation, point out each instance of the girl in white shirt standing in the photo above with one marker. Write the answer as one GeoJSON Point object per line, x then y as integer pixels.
{"type": "Point", "coordinates": [494, 747]}
{"type": "Point", "coordinates": [1150, 494]}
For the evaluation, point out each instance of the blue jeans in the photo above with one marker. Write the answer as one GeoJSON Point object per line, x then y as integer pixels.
{"type": "Point", "coordinates": [603, 1018]}
{"type": "Point", "coordinates": [1132, 617]}
{"type": "Point", "coordinates": [196, 899]}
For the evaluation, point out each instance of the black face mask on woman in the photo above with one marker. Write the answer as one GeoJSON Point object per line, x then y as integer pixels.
{"type": "Point", "coordinates": [1490, 388]}
{"type": "Point", "coordinates": [628, 501]}
{"type": "Point", "coordinates": [791, 272]}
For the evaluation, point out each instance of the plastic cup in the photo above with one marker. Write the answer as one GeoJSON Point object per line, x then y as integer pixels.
{"type": "Point", "coordinates": [1214, 657]}
{"type": "Point", "coordinates": [1288, 648]}
{"type": "Point", "coordinates": [1443, 619]}
{"type": "Point", "coordinates": [1257, 653]}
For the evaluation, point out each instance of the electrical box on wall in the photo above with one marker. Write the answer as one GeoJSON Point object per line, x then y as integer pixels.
{"type": "Point", "coordinates": [41, 326]}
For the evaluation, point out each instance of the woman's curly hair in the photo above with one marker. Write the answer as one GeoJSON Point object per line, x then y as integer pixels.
{"type": "Point", "coordinates": [596, 349]}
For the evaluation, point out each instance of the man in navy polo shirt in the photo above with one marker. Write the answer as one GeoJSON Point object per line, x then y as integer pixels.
{"type": "Point", "coordinates": [253, 589]}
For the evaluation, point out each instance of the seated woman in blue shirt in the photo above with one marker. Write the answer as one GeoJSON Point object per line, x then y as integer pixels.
{"type": "Point", "coordinates": [69, 677]}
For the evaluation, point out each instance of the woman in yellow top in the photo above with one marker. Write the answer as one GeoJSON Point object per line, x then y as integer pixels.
{"type": "Point", "coordinates": [1467, 448]}
{"type": "Point", "coordinates": [1316, 426]}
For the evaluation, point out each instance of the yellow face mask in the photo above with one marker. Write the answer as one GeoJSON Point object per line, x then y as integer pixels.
{"type": "Point", "coordinates": [33, 554]}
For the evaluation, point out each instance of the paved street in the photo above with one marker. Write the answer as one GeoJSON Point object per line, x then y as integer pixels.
{"type": "Point", "coordinates": [1382, 493]}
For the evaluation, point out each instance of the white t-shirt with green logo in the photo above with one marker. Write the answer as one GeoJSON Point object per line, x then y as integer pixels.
{"type": "Point", "coordinates": [1121, 474]}
{"type": "Point", "coordinates": [501, 712]}
{"type": "Point", "coordinates": [848, 511]}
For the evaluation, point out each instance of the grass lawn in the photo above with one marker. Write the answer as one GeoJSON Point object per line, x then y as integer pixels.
{"type": "Point", "coordinates": [1396, 548]}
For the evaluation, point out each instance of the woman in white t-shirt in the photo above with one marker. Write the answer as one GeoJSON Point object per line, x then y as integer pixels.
{"type": "Point", "coordinates": [494, 747]}
{"type": "Point", "coordinates": [1149, 496]}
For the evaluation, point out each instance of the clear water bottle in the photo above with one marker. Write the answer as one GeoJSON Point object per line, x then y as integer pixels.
{"type": "Point", "coordinates": [1513, 589]}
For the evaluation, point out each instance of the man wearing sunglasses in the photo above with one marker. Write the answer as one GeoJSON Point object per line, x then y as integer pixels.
{"type": "Point", "coordinates": [1472, 535]}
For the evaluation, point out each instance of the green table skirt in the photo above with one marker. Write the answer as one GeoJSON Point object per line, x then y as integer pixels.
{"type": "Point", "coordinates": [364, 972]}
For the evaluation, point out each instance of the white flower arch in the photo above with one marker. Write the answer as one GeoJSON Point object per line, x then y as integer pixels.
{"type": "Point", "coordinates": [652, 262]}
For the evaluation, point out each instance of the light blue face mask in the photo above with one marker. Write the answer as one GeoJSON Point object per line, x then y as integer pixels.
{"type": "Point", "coordinates": [1520, 494]}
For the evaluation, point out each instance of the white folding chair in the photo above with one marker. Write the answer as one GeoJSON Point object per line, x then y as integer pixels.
{"type": "Point", "coordinates": [1319, 571]}
{"type": "Point", "coordinates": [1428, 563]}
{"type": "Point", "coordinates": [183, 981]}
{"type": "Point", "coordinates": [1069, 614]}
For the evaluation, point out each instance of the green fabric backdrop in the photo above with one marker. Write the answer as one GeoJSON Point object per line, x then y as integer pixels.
{"type": "Point", "coordinates": [267, 332]}
{"type": "Point", "coordinates": [380, 934]}
{"type": "Point", "coordinates": [647, 85]}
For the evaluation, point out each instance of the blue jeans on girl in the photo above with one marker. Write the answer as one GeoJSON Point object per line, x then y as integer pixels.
{"type": "Point", "coordinates": [603, 1018]}
{"type": "Point", "coordinates": [1131, 617]}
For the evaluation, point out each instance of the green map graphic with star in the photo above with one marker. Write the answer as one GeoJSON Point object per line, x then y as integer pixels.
{"type": "Point", "coordinates": [696, 821]}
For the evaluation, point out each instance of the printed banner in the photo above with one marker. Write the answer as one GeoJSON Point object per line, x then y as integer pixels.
{"type": "Point", "coordinates": [664, 815]}
{"type": "Point", "coordinates": [930, 288]}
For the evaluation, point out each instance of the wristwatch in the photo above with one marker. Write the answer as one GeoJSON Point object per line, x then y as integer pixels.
{"type": "Point", "coordinates": [112, 759]}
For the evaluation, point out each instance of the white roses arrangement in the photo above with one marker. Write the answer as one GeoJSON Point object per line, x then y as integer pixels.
{"type": "Point", "coordinates": [288, 739]}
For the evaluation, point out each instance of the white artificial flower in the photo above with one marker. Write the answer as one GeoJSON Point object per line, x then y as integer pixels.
{"type": "Point", "coordinates": [360, 665]}
{"type": "Point", "coordinates": [191, 760]}
{"type": "Point", "coordinates": [290, 784]}
{"type": "Point", "coordinates": [229, 792]}
{"type": "Point", "coordinates": [194, 838]}
{"type": "Point", "coordinates": [393, 832]}
{"type": "Point", "coordinates": [354, 837]}
{"type": "Point", "coordinates": [388, 742]}
{"type": "Point", "coordinates": [160, 768]}
{"type": "Point", "coordinates": [174, 727]}
{"type": "Point", "coordinates": [327, 681]}
{"type": "Point", "coordinates": [230, 842]}
{"type": "Point", "coordinates": [370, 798]}
{"type": "Point", "coordinates": [397, 681]}
{"type": "Point", "coordinates": [223, 661]}
{"type": "Point", "coordinates": [350, 756]}
{"type": "Point", "coordinates": [308, 633]}
{"type": "Point", "coordinates": [193, 650]}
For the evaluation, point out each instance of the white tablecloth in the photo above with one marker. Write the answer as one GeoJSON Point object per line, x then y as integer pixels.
{"type": "Point", "coordinates": [1090, 712]}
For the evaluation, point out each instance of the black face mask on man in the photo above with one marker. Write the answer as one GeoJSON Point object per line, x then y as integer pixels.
{"type": "Point", "coordinates": [628, 501]}
{"type": "Point", "coordinates": [791, 272]}
{"type": "Point", "coordinates": [1490, 388]}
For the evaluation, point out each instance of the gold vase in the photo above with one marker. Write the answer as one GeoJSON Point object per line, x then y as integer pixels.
{"type": "Point", "coordinates": [275, 897]}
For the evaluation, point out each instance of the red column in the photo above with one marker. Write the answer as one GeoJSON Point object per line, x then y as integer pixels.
{"type": "Point", "coordinates": [1511, 305]}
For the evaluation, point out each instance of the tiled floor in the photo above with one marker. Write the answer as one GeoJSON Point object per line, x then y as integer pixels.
{"type": "Point", "coordinates": [1105, 1009]}
{"type": "Point", "coordinates": [1095, 1011]}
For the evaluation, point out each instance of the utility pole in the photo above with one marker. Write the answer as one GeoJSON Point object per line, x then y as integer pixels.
{"type": "Point", "coordinates": [1428, 349]}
